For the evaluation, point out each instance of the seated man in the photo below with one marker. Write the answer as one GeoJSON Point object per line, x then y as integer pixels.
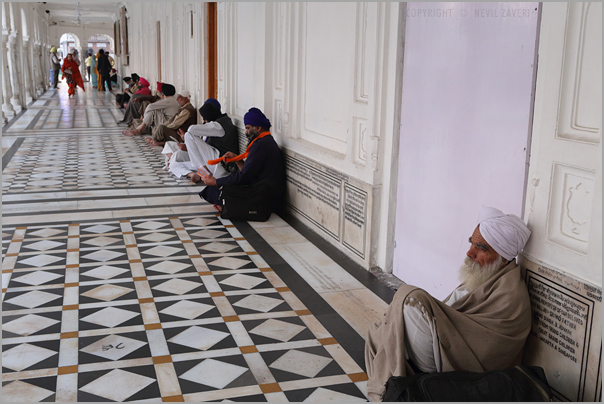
{"type": "Point", "coordinates": [157, 112]}
{"type": "Point", "coordinates": [139, 91]}
{"type": "Point", "coordinates": [123, 98]}
{"type": "Point", "coordinates": [207, 141]}
{"type": "Point", "coordinates": [481, 326]}
{"type": "Point", "coordinates": [264, 163]}
{"type": "Point", "coordinates": [184, 118]}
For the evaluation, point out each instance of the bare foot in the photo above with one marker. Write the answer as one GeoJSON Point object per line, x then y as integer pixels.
{"type": "Point", "coordinates": [218, 208]}
{"type": "Point", "coordinates": [156, 143]}
{"type": "Point", "coordinates": [130, 133]}
{"type": "Point", "coordinates": [148, 139]}
{"type": "Point", "coordinates": [194, 177]}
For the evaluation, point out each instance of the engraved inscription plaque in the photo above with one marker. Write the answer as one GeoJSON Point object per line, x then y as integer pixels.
{"type": "Point", "coordinates": [564, 337]}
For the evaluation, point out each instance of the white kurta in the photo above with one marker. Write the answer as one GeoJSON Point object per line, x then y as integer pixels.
{"type": "Point", "coordinates": [421, 342]}
{"type": "Point", "coordinates": [198, 151]}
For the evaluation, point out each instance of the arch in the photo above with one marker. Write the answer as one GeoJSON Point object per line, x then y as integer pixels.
{"type": "Point", "coordinates": [108, 38]}
{"type": "Point", "coordinates": [76, 42]}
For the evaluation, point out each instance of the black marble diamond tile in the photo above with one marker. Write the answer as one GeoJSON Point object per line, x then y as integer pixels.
{"type": "Point", "coordinates": [177, 286]}
{"type": "Point", "coordinates": [258, 303]}
{"type": "Point", "coordinates": [31, 324]}
{"type": "Point", "coordinates": [30, 356]}
{"type": "Point", "coordinates": [187, 309]}
{"type": "Point", "coordinates": [103, 383]}
{"type": "Point", "coordinates": [108, 292]}
{"type": "Point", "coordinates": [112, 347]}
{"type": "Point", "coordinates": [109, 317]}
{"type": "Point", "coordinates": [347, 392]}
{"type": "Point", "coordinates": [299, 331]}
{"type": "Point", "coordinates": [328, 367]}
{"type": "Point", "coordinates": [191, 380]}
{"type": "Point", "coordinates": [196, 338]}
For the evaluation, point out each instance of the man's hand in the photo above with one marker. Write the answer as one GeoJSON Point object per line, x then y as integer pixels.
{"type": "Point", "coordinates": [182, 146]}
{"type": "Point", "coordinates": [228, 155]}
{"type": "Point", "coordinates": [208, 179]}
{"type": "Point", "coordinates": [181, 133]}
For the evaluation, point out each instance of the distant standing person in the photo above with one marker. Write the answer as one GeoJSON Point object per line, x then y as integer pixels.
{"type": "Point", "coordinates": [55, 63]}
{"type": "Point", "coordinates": [87, 62]}
{"type": "Point", "coordinates": [104, 68]}
{"type": "Point", "coordinates": [93, 71]}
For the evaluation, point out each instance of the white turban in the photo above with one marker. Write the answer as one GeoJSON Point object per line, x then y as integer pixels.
{"type": "Point", "coordinates": [507, 234]}
{"type": "Point", "coordinates": [184, 93]}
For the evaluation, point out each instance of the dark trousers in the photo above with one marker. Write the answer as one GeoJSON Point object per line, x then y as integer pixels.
{"type": "Point", "coordinates": [211, 194]}
{"type": "Point", "coordinates": [55, 77]}
{"type": "Point", "coordinates": [106, 80]}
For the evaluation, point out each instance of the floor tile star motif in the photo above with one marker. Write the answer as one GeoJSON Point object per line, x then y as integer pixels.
{"type": "Point", "coordinates": [187, 309]}
{"type": "Point", "coordinates": [214, 373]}
{"type": "Point", "coordinates": [157, 237]}
{"type": "Point", "coordinates": [44, 245]}
{"type": "Point", "coordinates": [19, 391]}
{"type": "Point", "coordinates": [219, 247]}
{"type": "Point", "coordinates": [36, 278]}
{"type": "Point", "coordinates": [107, 292]}
{"type": "Point", "coordinates": [199, 337]}
{"type": "Point", "coordinates": [48, 232]}
{"type": "Point", "coordinates": [242, 281]}
{"type": "Point", "coordinates": [301, 363]}
{"type": "Point", "coordinates": [117, 385]}
{"type": "Point", "coordinates": [25, 355]}
{"type": "Point", "coordinates": [207, 234]}
{"type": "Point", "coordinates": [177, 286]}
{"type": "Point", "coordinates": [258, 303]}
{"type": "Point", "coordinates": [103, 255]}
{"type": "Point", "coordinates": [152, 225]}
{"type": "Point", "coordinates": [229, 262]}
{"type": "Point", "coordinates": [162, 251]}
{"type": "Point", "coordinates": [101, 229]}
{"type": "Point", "coordinates": [201, 222]}
{"type": "Point", "coordinates": [169, 267]}
{"type": "Point", "coordinates": [101, 241]}
{"type": "Point", "coordinates": [29, 324]}
{"type": "Point", "coordinates": [110, 317]}
{"type": "Point", "coordinates": [41, 260]}
{"type": "Point", "coordinates": [277, 329]}
{"type": "Point", "coordinates": [113, 347]}
{"type": "Point", "coordinates": [324, 395]}
{"type": "Point", "coordinates": [105, 272]}
{"type": "Point", "coordinates": [33, 299]}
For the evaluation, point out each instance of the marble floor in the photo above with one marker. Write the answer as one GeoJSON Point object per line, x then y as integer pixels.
{"type": "Point", "coordinates": [120, 284]}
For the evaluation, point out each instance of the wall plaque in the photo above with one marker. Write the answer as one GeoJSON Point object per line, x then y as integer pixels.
{"type": "Point", "coordinates": [566, 333]}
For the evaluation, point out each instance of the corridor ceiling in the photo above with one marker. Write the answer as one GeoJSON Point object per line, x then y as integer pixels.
{"type": "Point", "coordinates": [85, 13]}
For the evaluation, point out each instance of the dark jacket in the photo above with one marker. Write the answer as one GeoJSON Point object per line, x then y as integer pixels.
{"type": "Point", "coordinates": [264, 164]}
{"type": "Point", "coordinates": [230, 141]}
{"type": "Point", "coordinates": [103, 65]}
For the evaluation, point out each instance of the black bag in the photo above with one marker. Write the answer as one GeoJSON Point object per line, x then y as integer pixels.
{"type": "Point", "coordinates": [246, 202]}
{"type": "Point", "coordinates": [520, 383]}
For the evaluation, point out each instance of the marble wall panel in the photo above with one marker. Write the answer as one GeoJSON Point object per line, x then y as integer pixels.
{"type": "Point", "coordinates": [333, 204]}
{"type": "Point", "coordinates": [566, 333]}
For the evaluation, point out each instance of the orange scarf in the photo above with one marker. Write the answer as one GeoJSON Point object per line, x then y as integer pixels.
{"type": "Point", "coordinates": [241, 156]}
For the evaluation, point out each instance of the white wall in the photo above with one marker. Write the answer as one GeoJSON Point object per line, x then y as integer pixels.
{"type": "Point", "coordinates": [467, 86]}
{"type": "Point", "coordinates": [324, 73]}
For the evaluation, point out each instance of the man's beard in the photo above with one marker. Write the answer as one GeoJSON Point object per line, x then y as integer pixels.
{"type": "Point", "coordinates": [473, 275]}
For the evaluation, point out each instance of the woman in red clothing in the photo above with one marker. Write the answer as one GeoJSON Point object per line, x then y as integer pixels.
{"type": "Point", "coordinates": [71, 73]}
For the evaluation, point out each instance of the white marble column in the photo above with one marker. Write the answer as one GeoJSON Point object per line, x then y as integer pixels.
{"type": "Point", "coordinates": [13, 70]}
{"type": "Point", "coordinates": [7, 91]}
{"type": "Point", "coordinates": [26, 68]}
{"type": "Point", "coordinates": [82, 64]}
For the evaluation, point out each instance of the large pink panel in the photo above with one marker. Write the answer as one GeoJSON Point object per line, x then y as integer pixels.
{"type": "Point", "coordinates": [467, 83]}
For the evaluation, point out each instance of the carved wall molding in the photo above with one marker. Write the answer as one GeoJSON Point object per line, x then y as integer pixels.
{"type": "Point", "coordinates": [580, 93]}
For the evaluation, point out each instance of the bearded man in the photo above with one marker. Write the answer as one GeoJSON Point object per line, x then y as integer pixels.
{"type": "Point", "coordinates": [482, 325]}
{"type": "Point", "coordinates": [263, 164]}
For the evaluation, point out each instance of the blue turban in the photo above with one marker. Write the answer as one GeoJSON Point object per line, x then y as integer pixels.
{"type": "Point", "coordinates": [255, 117]}
{"type": "Point", "coordinates": [213, 101]}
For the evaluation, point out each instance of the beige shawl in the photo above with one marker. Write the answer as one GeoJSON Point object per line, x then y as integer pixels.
{"type": "Point", "coordinates": [484, 330]}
